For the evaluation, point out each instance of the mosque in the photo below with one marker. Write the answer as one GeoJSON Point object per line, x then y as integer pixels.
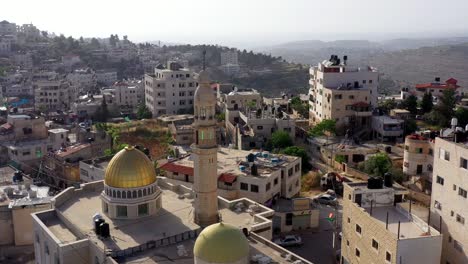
{"type": "Point", "coordinates": [133, 216]}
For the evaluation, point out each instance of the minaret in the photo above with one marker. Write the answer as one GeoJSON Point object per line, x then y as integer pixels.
{"type": "Point", "coordinates": [204, 153]}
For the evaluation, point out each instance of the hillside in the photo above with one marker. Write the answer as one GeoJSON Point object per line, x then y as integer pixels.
{"type": "Point", "coordinates": [400, 67]}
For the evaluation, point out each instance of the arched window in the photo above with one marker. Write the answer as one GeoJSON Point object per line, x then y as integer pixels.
{"type": "Point", "coordinates": [129, 194]}
{"type": "Point", "coordinates": [152, 189]}
{"type": "Point", "coordinates": [144, 192]}
{"type": "Point", "coordinates": [139, 193]}
{"type": "Point", "coordinates": [113, 193]}
{"type": "Point", "coordinates": [118, 194]}
{"type": "Point", "coordinates": [124, 194]}
{"type": "Point", "coordinates": [134, 194]}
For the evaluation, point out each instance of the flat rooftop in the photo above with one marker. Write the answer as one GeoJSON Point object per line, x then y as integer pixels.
{"type": "Point", "coordinates": [60, 230]}
{"type": "Point", "coordinates": [229, 160]}
{"type": "Point", "coordinates": [409, 228]}
{"type": "Point", "coordinates": [174, 217]}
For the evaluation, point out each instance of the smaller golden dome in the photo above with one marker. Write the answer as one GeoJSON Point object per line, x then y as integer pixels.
{"type": "Point", "coordinates": [130, 168]}
{"type": "Point", "coordinates": [221, 243]}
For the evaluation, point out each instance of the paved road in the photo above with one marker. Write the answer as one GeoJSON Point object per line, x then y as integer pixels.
{"type": "Point", "coordinates": [317, 246]}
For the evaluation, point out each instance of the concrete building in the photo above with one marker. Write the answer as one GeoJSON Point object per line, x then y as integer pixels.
{"type": "Point", "coordinates": [400, 114]}
{"type": "Point", "coordinates": [86, 105]}
{"type": "Point", "coordinates": [343, 93]}
{"type": "Point", "coordinates": [106, 77]}
{"type": "Point", "coordinates": [17, 201]}
{"type": "Point", "coordinates": [85, 79]}
{"type": "Point", "coordinates": [30, 32]}
{"type": "Point", "coordinates": [5, 47]}
{"type": "Point", "coordinates": [7, 28]}
{"type": "Point", "coordinates": [385, 128]}
{"type": "Point", "coordinates": [23, 127]}
{"type": "Point", "coordinates": [238, 99]}
{"type": "Point", "coordinates": [145, 215]}
{"type": "Point", "coordinates": [252, 128]}
{"type": "Point", "coordinates": [93, 169]}
{"type": "Point", "coordinates": [274, 176]}
{"type": "Point", "coordinates": [449, 196]}
{"type": "Point", "coordinates": [436, 88]}
{"type": "Point", "coordinates": [377, 229]}
{"type": "Point", "coordinates": [182, 134]}
{"type": "Point", "coordinates": [418, 158]}
{"type": "Point", "coordinates": [229, 57]}
{"type": "Point", "coordinates": [51, 95]}
{"type": "Point", "coordinates": [126, 94]}
{"type": "Point", "coordinates": [70, 60]}
{"type": "Point", "coordinates": [295, 215]}
{"type": "Point", "coordinates": [170, 90]}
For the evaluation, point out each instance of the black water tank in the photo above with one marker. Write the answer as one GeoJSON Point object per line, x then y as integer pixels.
{"type": "Point", "coordinates": [388, 179]}
{"type": "Point", "coordinates": [254, 170]}
{"type": "Point", "coordinates": [97, 225]}
{"type": "Point", "coordinates": [105, 230]}
{"type": "Point", "coordinates": [245, 231]}
{"type": "Point", "coordinates": [374, 183]}
{"type": "Point", "coordinates": [17, 176]}
{"type": "Point", "coordinates": [388, 149]}
{"type": "Point", "coordinates": [251, 157]}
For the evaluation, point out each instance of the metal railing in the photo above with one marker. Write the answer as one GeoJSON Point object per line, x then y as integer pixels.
{"type": "Point", "coordinates": [153, 244]}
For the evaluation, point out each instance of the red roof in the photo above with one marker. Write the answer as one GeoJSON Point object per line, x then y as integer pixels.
{"type": "Point", "coordinates": [7, 126]}
{"type": "Point", "coordinates": [449, 84]}
{"type": "Point", "coordinates": [173, 167]}
{"type": "Point", "coordinates": [227, 177]}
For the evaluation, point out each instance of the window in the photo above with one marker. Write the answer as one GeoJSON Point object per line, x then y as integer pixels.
{"type": "Point", "coordinates": [297, 167]}
{"type": "Point", "coordinates": [351, 97]}
{"type": "Point", "coordinates": [440, 180]}
{"type": "Point", "coordinates": [275, 181]}
{"type": "Point", "coordinates": [259, 127]}
{"type": "Point", "coordinates": [254, 188]}
{"type": "Point", "coordinates": [338, 96]}
{"type": "Point", "coordinates": [460, 219]}
{"type": "Point", "coordinates": [375, 244]}
{"type": "Point", "coordinates": [462, 192]}
{"type": "Point", "coordinates": [430, 152]}
{"type": "Point", "coordinates": [289, 217]}
{"type": "Point", "coordinates": [244, 186]}
{"type": "Point", "coordinates": [121, 211]}
{"type": "Point", "coordinates": [451, 213]}
{"type": "Point", "coordinates": [443, 154]}
{"type": "Point", "coordinates": [464, 163]}
{"type": "Point", "coordinates": [290, 172]}
{"type": "Point", "coordinates": [349, 220]}
{"type": "Point", "coordinates": [454, 187]}
{"type": "Point", "coordinates": [143, 209]}
{"type": "Point", "coordinates": [347, 242]}
{"type": "Point", "coordinates": [358, 252]}
{"type": "Point", "coordinates": [364, 81]}
{"type": "Point", "coordinates": [419, 150]}
{"type": "Point", "coordinates": [358, 229]}
{"type": "Point", "coordinates": [370, 81]}
{"type": "Point", "coordinates": [437, 205]}
{"type": "Point", "coordinates": [388, 256]}
{"type": "Point", "coordinates": [268, 186]}
{"type": "Point", "coordinates": [106, 207]}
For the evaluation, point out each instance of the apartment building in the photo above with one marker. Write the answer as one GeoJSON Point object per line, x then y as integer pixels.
{"type": "Point", "coordinates": [386, 128]}
{"type": "Point", "coordinates": [51, 95]}
{"type": "Point", "coordinates": [263, 180]}
{"type": "Point", "coordinates": [377, 228]}
{"type": "Point", "coordinates": [436, 88]}
{"type": "Point", "coordinates": [343, 93]}
{"type": "Point", "coordinates": [249, 129]}
{"type": "Point", "coordinates": [7, 28]}
{"type": "Point", "coordinates": [106, 77]}
{"type": "Point", "coordinates": [449, 196]}
{"type": "Point", "coordinates": [418, 158]}
{"type": "Point", "coordinates": [85, 79]}
{"type": "Point", "coordinates": [240, 99]}
{"type": "Point", "coordinates": [229, 57]}
{"type": "Point", "coordinates": [23, 127]}
{"type": "Point", "coordinates": [127, 94]}
{"type": "Point", "coordinates": [170, 90]}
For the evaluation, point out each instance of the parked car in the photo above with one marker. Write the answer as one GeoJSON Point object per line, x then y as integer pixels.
{"type": "Point", "coordinates": [290, 240]}
{"type": "Point", "coordinates": [326, 199]}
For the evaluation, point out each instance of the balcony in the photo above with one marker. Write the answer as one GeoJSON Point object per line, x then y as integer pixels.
{"type": "Point", "coordinates": [363, 114]}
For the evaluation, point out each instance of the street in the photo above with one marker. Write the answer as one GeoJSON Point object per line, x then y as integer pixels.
{"type": "Point", "coordinates": [317, 246]}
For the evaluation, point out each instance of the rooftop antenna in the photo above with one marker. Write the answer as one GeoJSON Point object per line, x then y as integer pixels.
{"type": "Point", "coordinates": [204, 55]}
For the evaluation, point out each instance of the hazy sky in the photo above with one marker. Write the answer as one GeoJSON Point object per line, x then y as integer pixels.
{"type": "Point", "coordinates": [243, 22]}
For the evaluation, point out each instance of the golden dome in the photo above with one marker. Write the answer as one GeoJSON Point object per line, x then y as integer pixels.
{"type": "Point", "coordinates": [221, 243]}
{"type": "Point", "coordinates": [130, 168]}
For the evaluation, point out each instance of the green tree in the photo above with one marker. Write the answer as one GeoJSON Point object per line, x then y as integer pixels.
{"type": "Point", "coordinates": [327, 125]}
{"type": "Point", "coordinates": [143, 112]}
{"type": "Point", "coordinates": [377, 165]}
{"type": "Point", "coordinates": [446, 105]}
{"type": "Point", "coordinates": [411, 104]}
{"type": "Point", "coordinates": [102, 113]}
{"type": "Point", "coordinates": [410, 126]}
{"type": "Point", "coordinates": [302, 109]}
{"type": "Point", "coordinates": [299, 152]}
{"type": "Point", "coordinates": [426, 103]}
{"type": "Point", "coordinates": [340, 158]}
{"type": "Point", "coordinates": [387, 105]}
{"type": "Point", "coordinates": [221, 116]}
{"type": "Point", "coordinates": [462, 115]}
{"type": "Point", "coordinates": [280, 140]}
